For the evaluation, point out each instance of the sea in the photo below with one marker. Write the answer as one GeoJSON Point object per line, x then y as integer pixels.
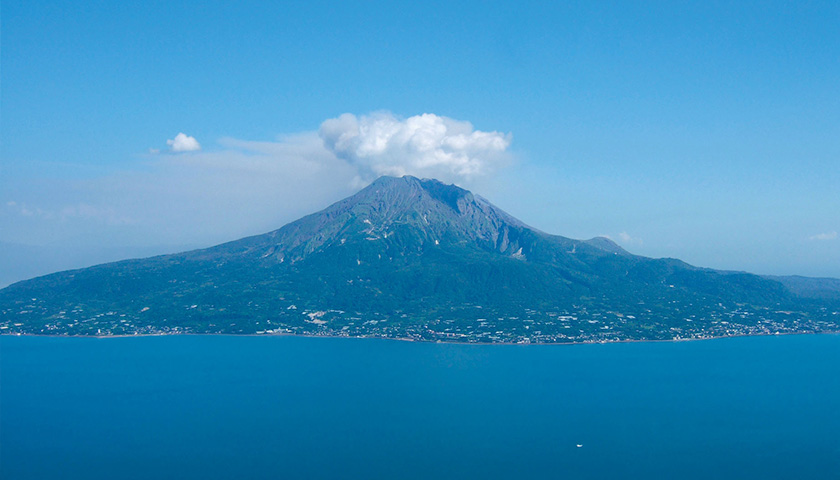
{"type": "Point", "coordinates": [284, 407]}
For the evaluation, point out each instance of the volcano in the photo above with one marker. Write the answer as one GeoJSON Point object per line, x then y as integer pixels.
{"type": "Point", "coordinates": [417, 259]}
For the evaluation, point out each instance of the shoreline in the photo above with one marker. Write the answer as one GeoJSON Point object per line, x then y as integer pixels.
{"type": "Point", "coordinates": [412, 340]}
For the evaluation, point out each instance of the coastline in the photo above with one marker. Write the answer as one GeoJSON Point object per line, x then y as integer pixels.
{"type": "Point", "coordinates": [414, 340]}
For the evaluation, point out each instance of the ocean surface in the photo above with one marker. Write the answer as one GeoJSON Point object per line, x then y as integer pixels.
{"type": "Point", "coordinates": [213, 407]}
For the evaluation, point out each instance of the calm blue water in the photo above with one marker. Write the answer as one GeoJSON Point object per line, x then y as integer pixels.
{"type": "Point", "coordinates": [204, 407]}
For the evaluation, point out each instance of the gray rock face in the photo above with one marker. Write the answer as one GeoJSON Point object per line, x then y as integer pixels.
{"type": "Point", "coordinates": [432, 211]}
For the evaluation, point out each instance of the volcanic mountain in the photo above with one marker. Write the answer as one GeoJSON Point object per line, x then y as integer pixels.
{"type": "Point", "coordinates": [412, 258]}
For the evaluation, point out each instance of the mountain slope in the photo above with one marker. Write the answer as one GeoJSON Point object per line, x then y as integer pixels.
{"type": "Point", "coordinates": [805, 287]}
{"type": "Point", "coordinates": [411, 258]}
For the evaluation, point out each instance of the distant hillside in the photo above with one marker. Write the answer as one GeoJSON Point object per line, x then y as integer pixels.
{"type": "Point", "coordinates": [20, 262]}
{"type": "Point", "coordinates": [806, 287]}
{"type": "Point", "coordinates": [411, 258]}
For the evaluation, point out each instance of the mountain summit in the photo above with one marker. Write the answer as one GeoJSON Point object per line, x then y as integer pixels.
{"type": "Point", "coordinates": [405, 215]}
{"type": "Point", "coordinates": [412, 258]}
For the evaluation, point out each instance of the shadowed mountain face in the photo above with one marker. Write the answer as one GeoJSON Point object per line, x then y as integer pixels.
{"type": "Point", "coordinates": [412, 258]}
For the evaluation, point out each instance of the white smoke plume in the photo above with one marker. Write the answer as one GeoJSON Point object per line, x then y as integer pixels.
{"type": "Point", "coordinates": [426, 145]}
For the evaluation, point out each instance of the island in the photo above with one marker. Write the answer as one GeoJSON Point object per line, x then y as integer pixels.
{"type": "Point", "coordinates": [417, 259]}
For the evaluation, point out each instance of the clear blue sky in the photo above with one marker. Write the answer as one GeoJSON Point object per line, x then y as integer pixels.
{"type": "Point", "coordinates": [705, 131]}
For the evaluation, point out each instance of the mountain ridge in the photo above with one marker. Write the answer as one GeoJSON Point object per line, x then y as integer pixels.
{"type": "Point", "coordinates": [412, 258]}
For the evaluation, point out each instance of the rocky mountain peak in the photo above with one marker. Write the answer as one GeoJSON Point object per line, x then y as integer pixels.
{"type": "Point", "coordinates": [393, 210]}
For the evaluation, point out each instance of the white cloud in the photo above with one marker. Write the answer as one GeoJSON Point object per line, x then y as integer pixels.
{"type": "Point", "coordinates": [183, 143]}
{"type": "Point", "coordinates": [25, 210]}
{"type": "Point", "coordinates": [241, 187]}
{"type": "Point", "coordinates": [63, 213]}
{"type": "Point", "coordinates": [824, 236]}
{"type": "Point", "coordinates": [238, 188]}
{"type": "Point", "coordinates": [424, 145]}
{"type": "Point", "coordinates": [627, 239]}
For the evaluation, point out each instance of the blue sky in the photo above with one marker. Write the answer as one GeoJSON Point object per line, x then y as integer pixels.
{"type": "Point", "coordinates": [705, 131]}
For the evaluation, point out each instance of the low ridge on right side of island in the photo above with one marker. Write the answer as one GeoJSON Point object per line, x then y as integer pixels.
{"type": "Point", "coordinates": [418, 259]}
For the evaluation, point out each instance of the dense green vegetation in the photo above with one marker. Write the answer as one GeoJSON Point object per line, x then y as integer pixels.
{"type": "Point", "coordinates": [409, 258]}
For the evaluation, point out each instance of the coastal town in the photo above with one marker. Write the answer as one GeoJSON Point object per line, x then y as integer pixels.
{"type": "Point", "coordinates": [469, 323]}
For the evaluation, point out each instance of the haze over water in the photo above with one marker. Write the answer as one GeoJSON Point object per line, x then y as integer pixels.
{"type": "Point", "coordinates": [290, 407]}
